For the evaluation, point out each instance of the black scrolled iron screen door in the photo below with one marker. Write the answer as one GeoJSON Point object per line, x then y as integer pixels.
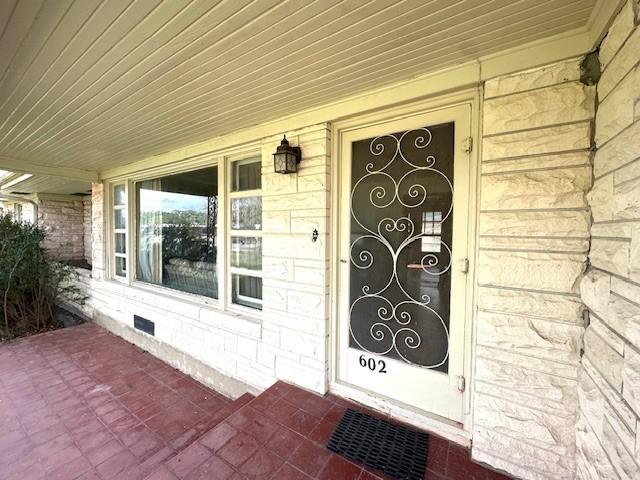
{"type": "Point", "coordinates": [401, 245]}
{"type": "Point", "coordinates": [404, 224]}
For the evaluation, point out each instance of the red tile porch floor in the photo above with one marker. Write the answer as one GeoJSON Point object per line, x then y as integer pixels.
{"type": "Point", "coordinates": [81, 403]}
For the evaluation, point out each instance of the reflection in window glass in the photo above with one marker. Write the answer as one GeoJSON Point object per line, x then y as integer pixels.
{"type": "Point", "coordinates": [246, 252]}
{"type": "Point", "coordinates": [431, 225]}
{"type": "Point", "coordinates": [121, 267]}
{"type": "Point", "coordinates": [121, 243]}
{"type": "Point", "coordinates": [431, 244]}
{"type": "Point", "coordinates": [246, 291]}
{"type": "Point", "coordinates": [119, 195]}
{"type": "Point", "coordinates": [246, 213]}
{"type": "Point", "coordinates": [246, 175]}
{"type": "Point", "coordinates": [177, 231]}
{"type": "Point", "coordinates": [120, 219]}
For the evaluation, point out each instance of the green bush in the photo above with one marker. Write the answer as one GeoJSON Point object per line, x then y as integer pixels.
{"type": "Point", "coordinates": [31, 283]}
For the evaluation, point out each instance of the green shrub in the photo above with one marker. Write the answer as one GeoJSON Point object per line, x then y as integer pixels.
{"type": "Point", "coordinates": [31, 283]}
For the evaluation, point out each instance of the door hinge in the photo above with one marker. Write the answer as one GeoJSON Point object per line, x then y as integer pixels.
{"type": "Point", "coordinates": [461, 383]}
{"type": "Point", "coordinates": [467, 144]}
{"type": "Point", "coordinates": [464, 265]}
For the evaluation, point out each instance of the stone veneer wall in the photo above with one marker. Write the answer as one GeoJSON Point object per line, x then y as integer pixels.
{"type": "Point", "coordinates": [63, 222]}
{"type": "Point", "coordinates": [86, 229]}
{"type": "Point", "coordinates": [67, 223]}
{"type": "Point", "coordinates": [290, 341]}
{"type": "Point", "coordinates": [533, 243]}
{"type": "Point", "coordinates": [608, 434]}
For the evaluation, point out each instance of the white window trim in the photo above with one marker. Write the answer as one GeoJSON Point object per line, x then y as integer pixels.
{"type": "Point", "coordinates": [230, 271]}
{"type": "Point", "coordinates": [112, 231]}
{"type": "Point", "coordinates": [223, 303]}
{"type": "Point", "coordinates": [17, 211]}
{"type": "Point", "coordinates": [161, 289]}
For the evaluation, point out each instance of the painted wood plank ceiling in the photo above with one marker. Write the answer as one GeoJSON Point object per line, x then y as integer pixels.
{"type": "Point", "coordinates": [96, 84]}
{"type": "Point", "coordinates": [46, 184]}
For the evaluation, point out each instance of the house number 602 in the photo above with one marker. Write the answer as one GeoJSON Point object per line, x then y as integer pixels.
{"type": "Point", "coordinates": [372, 365]}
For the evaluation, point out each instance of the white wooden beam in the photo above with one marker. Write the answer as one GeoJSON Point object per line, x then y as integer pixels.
{"type": "Point", "coordinates": [603, 14]}
{"type": "Point", "coordinates": [535, 54]}
{"type": "Point", "coordinates": [22, 166]}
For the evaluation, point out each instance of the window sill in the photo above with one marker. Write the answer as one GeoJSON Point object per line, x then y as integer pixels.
{"type": "Point", "coordinates": [174, 294]}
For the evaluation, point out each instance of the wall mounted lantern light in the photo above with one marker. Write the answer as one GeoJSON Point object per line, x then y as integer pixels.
{"type": "Point", "coordinates": [286, 158]}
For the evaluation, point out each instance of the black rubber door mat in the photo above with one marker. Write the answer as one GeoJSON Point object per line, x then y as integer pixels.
{"type": "Point", "coordinates": [398, 451]}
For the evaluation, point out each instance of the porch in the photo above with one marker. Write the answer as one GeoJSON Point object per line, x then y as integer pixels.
{"type": "Point", "coordinates": [81, 403]}
{"type": "Point", "coordinates": [457, 248]}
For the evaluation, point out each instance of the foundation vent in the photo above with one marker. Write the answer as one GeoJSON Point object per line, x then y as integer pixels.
{"type": "Point", "coordinates": [144, 325]}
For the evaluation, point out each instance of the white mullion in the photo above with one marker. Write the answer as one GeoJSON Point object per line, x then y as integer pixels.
{"type": "Point", "coordinates": [112, 248]}
{"type": "Point", "coordinates": [130, 222]}
{"type": "Point", "coordinates": [246, 193]}
{"type": "Point", "coordinates": [247, 272]}
{"type": "Point", "coordinates": [109, 224]}
{"type": "Point", "coordinates": [229, 233]}
{"type": "Point", "coordinates": [248, 299]}
{"type": "Point", "coordinates": [113, 231]}
{"type": "Point", "coordinates": [249, 160]}
{"type": "Point", "coordinates": [245, 233]}
{"type": "Point", "coordinates": [222, 229]}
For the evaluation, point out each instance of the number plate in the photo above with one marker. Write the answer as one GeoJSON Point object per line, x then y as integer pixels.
{"type": "Point", "coordinates": [372, 364]}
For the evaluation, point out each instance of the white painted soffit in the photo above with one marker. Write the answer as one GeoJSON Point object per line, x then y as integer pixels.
{"type": "Point", "coordinates": [44, 184]}
{"type": "Point", "coordinates": [14, 180]}
{"type": "Point", "coordinates": [5, 175]}
{"type": "Point", "coordinates": [93, 85]}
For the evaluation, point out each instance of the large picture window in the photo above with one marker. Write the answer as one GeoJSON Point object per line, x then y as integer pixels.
{"type": "Point", "coordinates": [198, 232]}
{"type": "Point", "coordinates": [245, 265]}
{"type": "Point", "coordinates": [177, 231]}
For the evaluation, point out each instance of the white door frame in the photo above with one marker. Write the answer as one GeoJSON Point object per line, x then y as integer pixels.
{"type": "Point", "coordinates": [458, 432]}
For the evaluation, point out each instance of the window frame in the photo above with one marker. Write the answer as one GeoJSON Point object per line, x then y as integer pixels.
{"type": "Point", "coordinates": [17, 211]}
{"type": "Point", "coordinates": [230, 233]}
{"type": "Point", "coordinates": [112, 208]}
{"type": "Point", "coordinates": [223, 162]}
{"type": "Point", "coordinates": [210, 301]}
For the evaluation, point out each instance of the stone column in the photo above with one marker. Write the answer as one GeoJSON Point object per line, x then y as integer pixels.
{"type": "Point", "coordinates": [534, 238]}
{"type": "Point", "coordinates": [608, 434]}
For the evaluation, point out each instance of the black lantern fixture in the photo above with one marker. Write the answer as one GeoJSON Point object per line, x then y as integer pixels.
{"type": "Point", "coordinates": [286, 158]}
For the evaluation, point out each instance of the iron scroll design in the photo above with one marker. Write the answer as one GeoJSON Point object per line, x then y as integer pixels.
{"type": "Point", "coordinates": [394, 330]}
